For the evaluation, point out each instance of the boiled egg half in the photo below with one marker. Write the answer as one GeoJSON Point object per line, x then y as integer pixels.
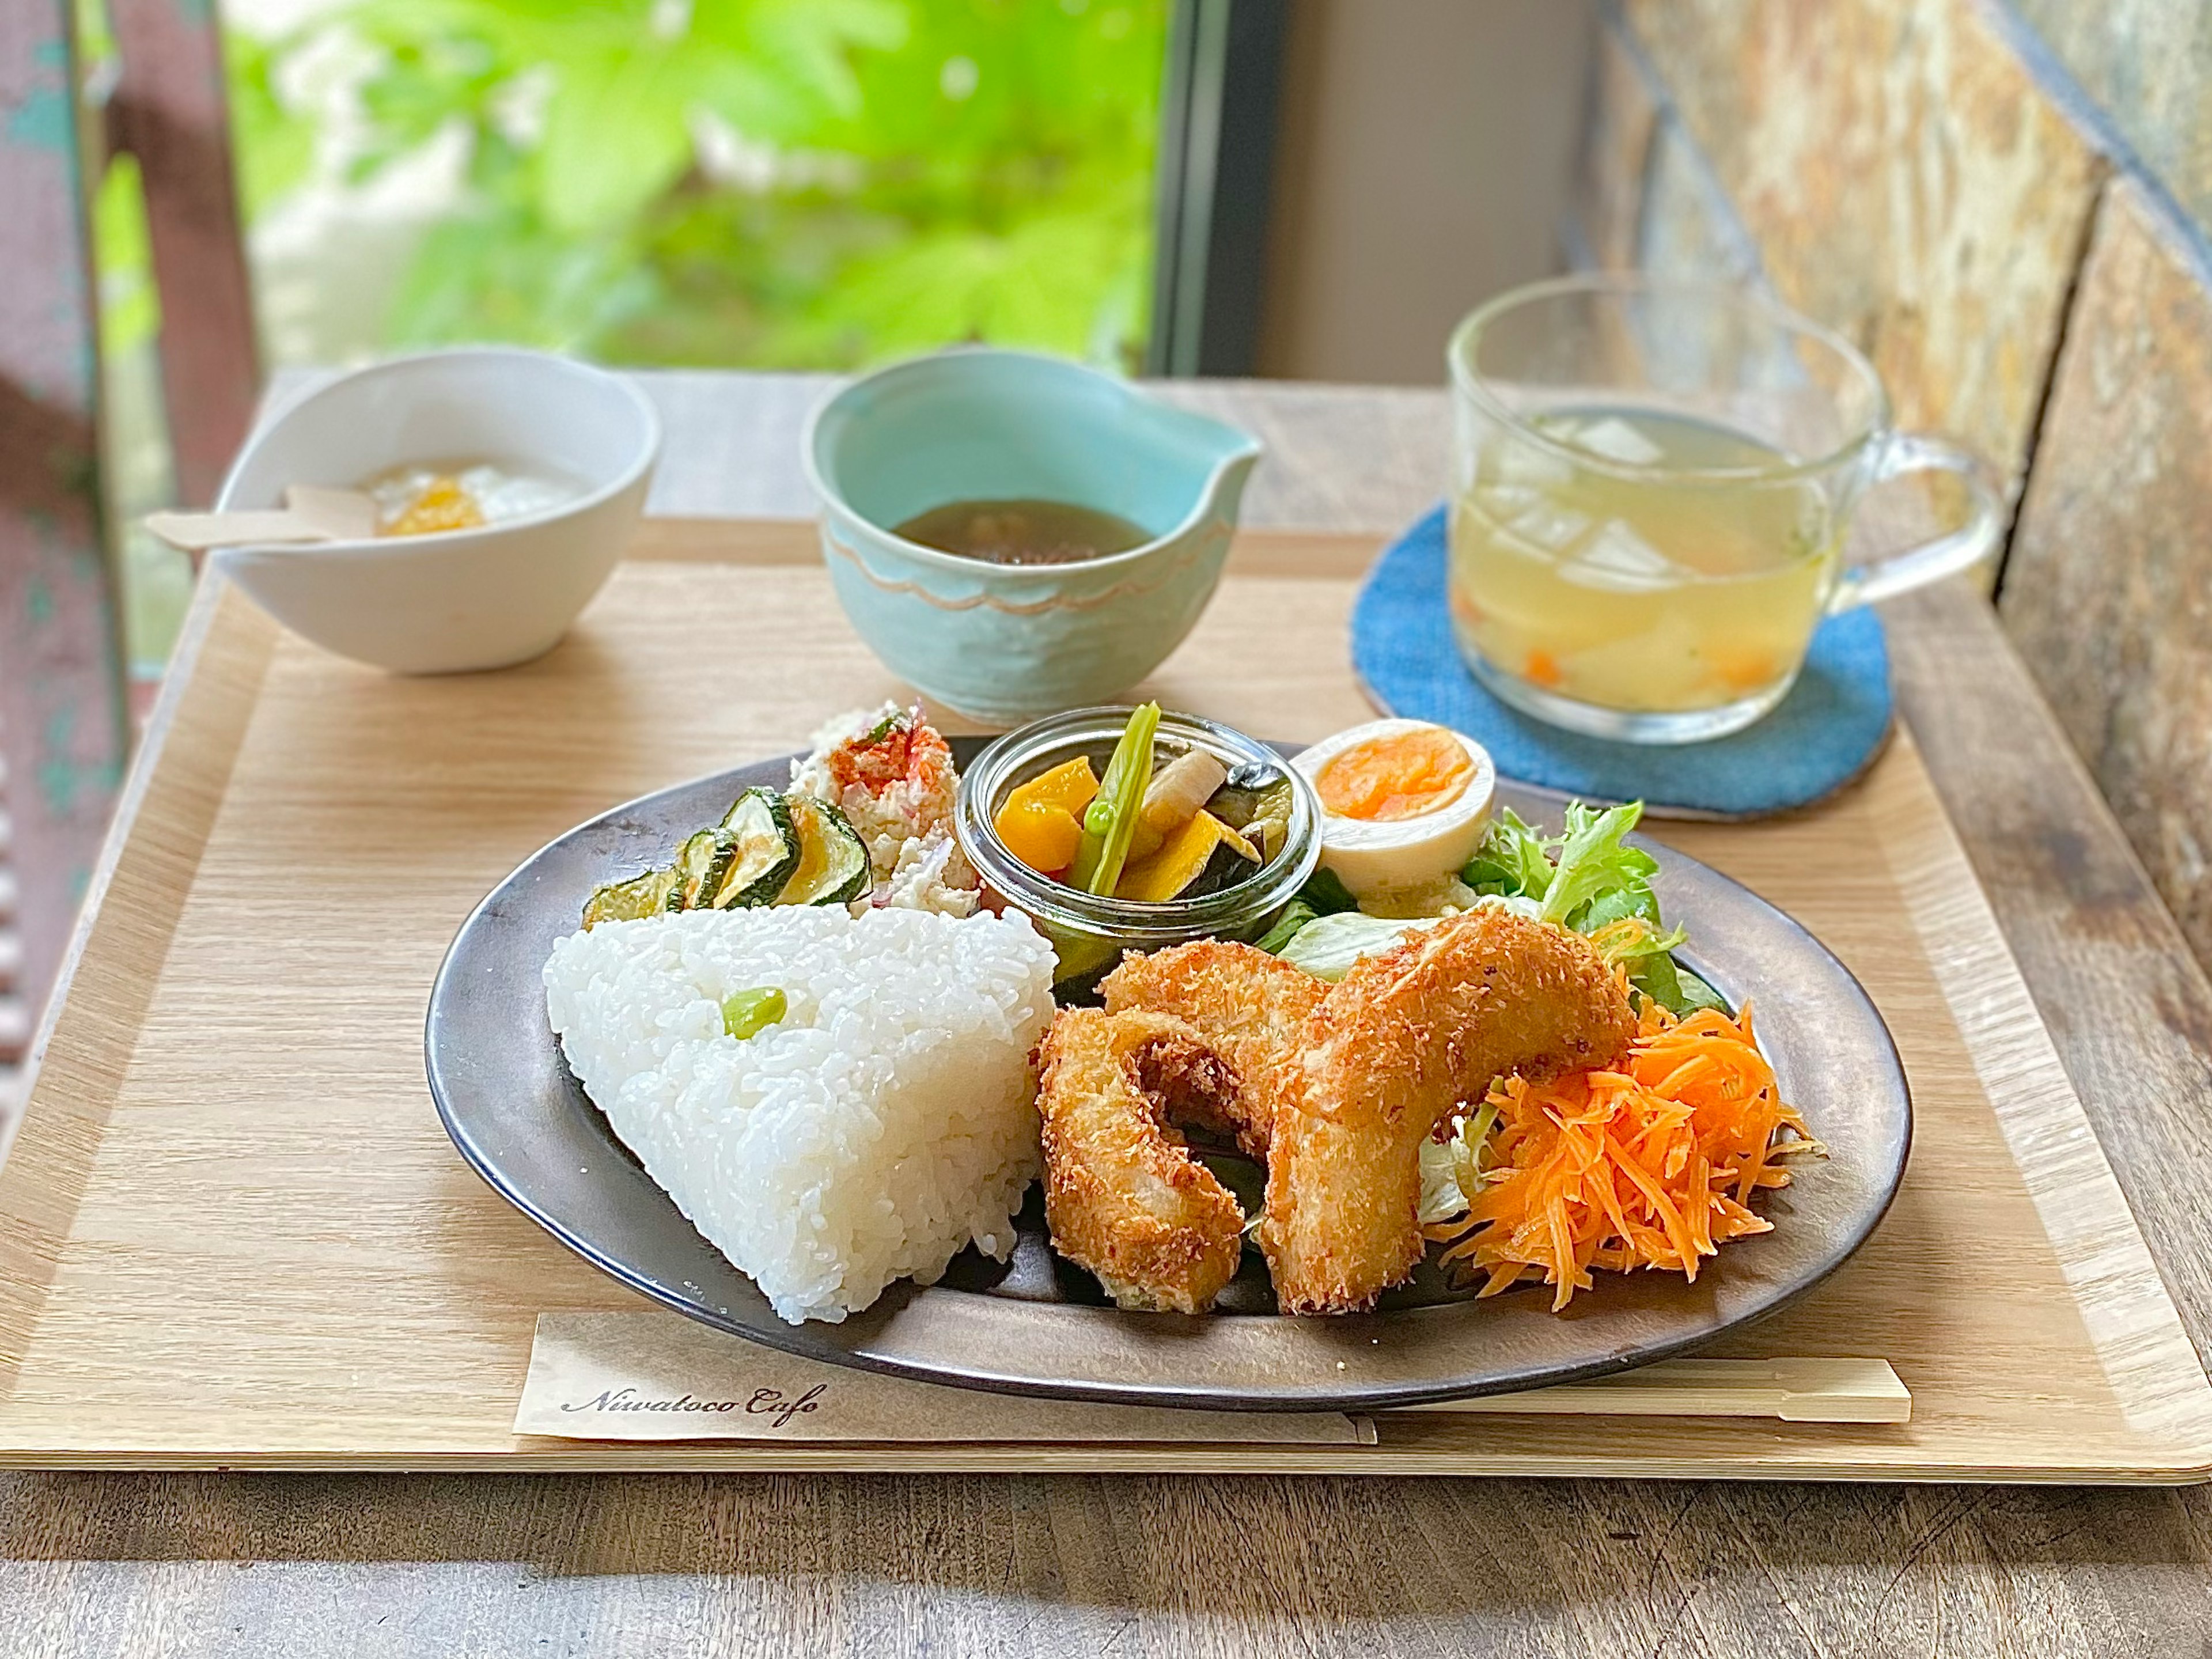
{"type": "Point", "coordinates": [1403, 802]}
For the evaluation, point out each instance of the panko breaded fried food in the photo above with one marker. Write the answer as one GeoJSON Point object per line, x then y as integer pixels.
{"type": "Point", "coordinates": [1248, 1005]}
{"type": "Point", "coordinates": [1122, 1194]}
{"type": "Point", "coordinates": [1405, 1037]}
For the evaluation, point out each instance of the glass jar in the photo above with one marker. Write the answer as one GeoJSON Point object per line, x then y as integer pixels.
{"type": "Point", "coordinates": [1089, 932]}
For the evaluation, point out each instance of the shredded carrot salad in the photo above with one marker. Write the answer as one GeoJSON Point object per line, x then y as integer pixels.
{"type": "Point", "coordinates": [1652, 1164]}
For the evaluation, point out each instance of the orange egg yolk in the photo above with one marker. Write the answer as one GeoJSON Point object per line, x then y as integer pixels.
{"type": "Point", "coordinates": [1402, 776]}
{"type": "Point", "coordinates": [444, 504]}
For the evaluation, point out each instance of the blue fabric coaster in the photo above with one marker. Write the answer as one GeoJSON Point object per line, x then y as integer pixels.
{"type": "Point", "coordinates": [1825, 732]}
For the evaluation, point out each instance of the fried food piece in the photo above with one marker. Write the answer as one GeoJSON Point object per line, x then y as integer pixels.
{"type": "Point", "coordinates": [1336, 1087]}
{"type": "Point", "coordinates": [1405, 1037]}
{"type": "Point", "coordinates": [1248, 1005]}
{"type": "Point", "coordinates": [1122, 1194]}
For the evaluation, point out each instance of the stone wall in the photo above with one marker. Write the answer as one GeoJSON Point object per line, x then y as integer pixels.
{"type": "Point", "coordinates": [2007, 204]}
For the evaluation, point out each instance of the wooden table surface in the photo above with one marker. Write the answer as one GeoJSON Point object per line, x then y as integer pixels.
{"type": "Point", "coordinates": [279, 1564]}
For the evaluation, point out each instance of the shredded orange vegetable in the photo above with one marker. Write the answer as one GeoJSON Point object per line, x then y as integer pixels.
{"type": "Point", "coordinates": [1649, 1165]}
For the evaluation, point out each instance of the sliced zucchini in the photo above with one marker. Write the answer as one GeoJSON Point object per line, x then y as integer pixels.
{"type": "Point", "coordinates": [833, 860]}
{"type": "Point", "coordinates": [629, 901]}
{"type": "Point", "coordinates": [1230, 861]}
{"type": "Point", "coordinates": [701, 864]}
{"type": "Point", "coordinates": [758, 825]}
{"type": "Point", "coordinates": [1261, 812]}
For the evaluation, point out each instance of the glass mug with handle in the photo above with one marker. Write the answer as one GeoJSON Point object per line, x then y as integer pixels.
{"type": "Point", "coordinates": [1652, 483]}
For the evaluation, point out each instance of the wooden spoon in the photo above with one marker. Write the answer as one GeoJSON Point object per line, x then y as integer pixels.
{"type": "Point", "coordinates": [311, 513]}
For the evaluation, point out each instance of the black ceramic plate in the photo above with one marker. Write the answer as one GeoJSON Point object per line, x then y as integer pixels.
{"type": "Point", "coordinates": [1036, 1325]}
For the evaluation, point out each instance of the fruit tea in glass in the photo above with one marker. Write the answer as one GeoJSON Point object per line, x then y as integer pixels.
{"type": "Point", "coordinates": [1652, 483]}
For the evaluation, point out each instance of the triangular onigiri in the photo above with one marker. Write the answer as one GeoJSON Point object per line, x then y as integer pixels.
{"type": "Point", "coordinates": [887, 1121]}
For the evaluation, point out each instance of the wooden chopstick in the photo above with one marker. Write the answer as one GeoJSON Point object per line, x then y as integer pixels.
{"type": "Point", "coordinates": [1793, 1390]}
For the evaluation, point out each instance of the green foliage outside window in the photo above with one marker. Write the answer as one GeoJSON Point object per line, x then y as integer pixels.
{"type": "Point", "coordinates": [777, 183]}
{"type": "Point", "coordinates": [802, 183]}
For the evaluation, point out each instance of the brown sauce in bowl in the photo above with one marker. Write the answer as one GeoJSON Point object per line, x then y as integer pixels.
{"type": "Point", "coordinates": [1023, 531]}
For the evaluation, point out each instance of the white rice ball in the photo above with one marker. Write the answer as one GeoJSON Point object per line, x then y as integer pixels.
{"type": "Point", "coordinates": [885, 1122]}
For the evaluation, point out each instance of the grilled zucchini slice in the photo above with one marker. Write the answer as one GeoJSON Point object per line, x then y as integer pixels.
{"type": "Point", "coordinates": [629, 901]}
{"type": "Point", "coordinates": [701, 864]}
{"type": "Point", "coordinates": [833, 860]}
{"type": "Point", "coordinates": [759, 826]}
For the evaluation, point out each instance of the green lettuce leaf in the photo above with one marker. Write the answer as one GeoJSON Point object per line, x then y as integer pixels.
{"type": "Point", "coordinates": [1658, 978]}
{"type": "Point", "coordinates": [1513, 860]}
{"type": "Point", "coordinates": [1324, 894]}
{"type": "Point", "coordinates": [1695, 994]}
{"type": "Point", "coordinates": [1327, 946]}
{"type": "Point", "coordinates": [1296, 915]}
{"type": "Point", "coordinates": [1589, 880]}
{"type": "Point", "coordinates": [1592, 865]}
{"type": "Point", "coordinates": [1325, 891]}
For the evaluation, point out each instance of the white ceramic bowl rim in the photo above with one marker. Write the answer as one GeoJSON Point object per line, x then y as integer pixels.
{"type": "Point", "coordinates": [834, 499]}
{"type": "Point", "coordinates": [648, 451]}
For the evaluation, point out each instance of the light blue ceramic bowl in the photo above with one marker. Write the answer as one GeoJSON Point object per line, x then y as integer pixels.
{"type": "Point", "coordinates": [1005, 643]}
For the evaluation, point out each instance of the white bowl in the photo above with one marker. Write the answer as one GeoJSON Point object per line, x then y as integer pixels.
{"type": "Point", "coordinates": [458, 599]}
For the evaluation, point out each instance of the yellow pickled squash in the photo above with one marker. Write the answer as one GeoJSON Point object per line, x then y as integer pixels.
{"type": "Point", "coordinates": [1068, 786]}
{"type": "Point", "coordinates": [1041, 822]}
{"type": "Point", "coordinates": [1182, 859]}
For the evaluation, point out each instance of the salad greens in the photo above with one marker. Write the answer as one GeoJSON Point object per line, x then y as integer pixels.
{"type": "Point", "coordinates": [1324, 894]}
{"type": "Point", "coordinates": [1567, 873]}
{"type": "Point", "coordinates": [1328, 946]}
{"type": "Point", "coordinates": [1586, 878]}
{"type": "Point", "coordinates": [1452, 1170]}
{"type": "Point", "coordinates": [1512, 860]}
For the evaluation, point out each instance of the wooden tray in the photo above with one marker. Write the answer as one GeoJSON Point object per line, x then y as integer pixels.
{"type": "Point", "coordinates": [232, 1232]}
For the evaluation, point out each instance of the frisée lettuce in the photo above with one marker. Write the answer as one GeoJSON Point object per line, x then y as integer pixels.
{"type": "Point", "coordinates": [1588, 879]}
